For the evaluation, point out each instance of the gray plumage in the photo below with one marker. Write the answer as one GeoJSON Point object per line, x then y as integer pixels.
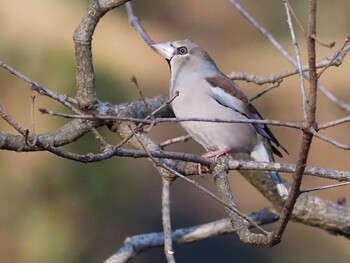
{"type": "Point", "coordinates": [205, 92]}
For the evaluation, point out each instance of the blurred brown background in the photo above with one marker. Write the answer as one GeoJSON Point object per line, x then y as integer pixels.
{"type": "Point", "coordinates": [55, 210]}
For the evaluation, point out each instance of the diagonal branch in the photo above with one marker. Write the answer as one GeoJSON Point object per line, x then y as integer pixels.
{"type": "Point", "coordinates": [307, 137]}
{"type": "Point", "coordinates": [339, 102]}
{"type": "Point", "coordinates": [297, 58]}
{"type": "Point", "coordinates": [63, 99]}
{"type": "Point", "coordinates": [139, 243]}
{"type": "Point", "coordinates": [224, 189]}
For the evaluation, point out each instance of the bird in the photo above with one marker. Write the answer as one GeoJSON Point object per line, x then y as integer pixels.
{"type": "Point", "coordinates": [201, 90]}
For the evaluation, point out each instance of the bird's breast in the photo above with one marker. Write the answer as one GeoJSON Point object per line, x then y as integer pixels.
{"type": "Point", "coordinates": [195, 103]}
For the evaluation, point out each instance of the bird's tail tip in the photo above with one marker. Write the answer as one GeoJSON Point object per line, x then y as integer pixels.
{"type": "Point", "coordinates": [282, 189]}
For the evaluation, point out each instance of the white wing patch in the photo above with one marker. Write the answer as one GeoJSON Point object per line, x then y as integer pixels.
{"type": "Point", "coordinates": [227, 99]}
{"type": "Point", "coordinates": [260, 153]}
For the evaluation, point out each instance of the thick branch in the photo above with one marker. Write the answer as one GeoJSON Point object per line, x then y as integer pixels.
{"type": "Point", "coordinates": [224, 189]}
{"type": "Point", "coordinates": [64, 135]}
{"type": "Point", "coordinates": [139, 243]}
{"type": "Point", "coordinates": [85, 76]}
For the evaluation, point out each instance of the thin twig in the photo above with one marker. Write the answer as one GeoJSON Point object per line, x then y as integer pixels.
{"type": "Point", "coordinates": [63, 99]}
{"type": "Point", "coordinates": [156, 162]}
{"type": "Point", "coordinates": [162, 120]}
{"type": "Point", "coordinates": [104, 144]}
{"type": "Point", "coordinates": [307, 137]}
{"type": "Point", "coordinates": [291, 10]}
{"type": "Point", "coordinates": [272, 78]}
{"type": "Point", "coordinates": [297, 56]}
{"type": "Point", "coordinates": [328, 124]}
{"type": "Point", "coordinates": [262, 29]}
{"type": "Point", "coordinates": [167, 103]}
{"type": "Point", "coordinates": [183, 138]}
{"type": "Point", "coordinates": [322, 43]}
{"type": "Point", "coordinates": [200, 187]}
{"type": "Point", "coordinates": [197, 185]}
{"type": "Point", "coordinates": [166, 219]}
{"type": "Point", "coordinates": [32, 115]}
{"type": "Point", "coordinates": [8, 118]}
{"type": "Point", "coordinates": [335, 57]}
{"type": "Point", "coordinates": [273, 86]}
{"type": "Point", "coordinates": [324, 187]}
{"type": "Point", "coordinates": [330, 140]}
{"type": "Point", "coordinates": [134, 80]}
{"type": "Point", "coordinates": [135, 22]}
{"type": "Point", "coordinates": [319, 41]}
{"type": "Point", "coordinates": [340, 103]}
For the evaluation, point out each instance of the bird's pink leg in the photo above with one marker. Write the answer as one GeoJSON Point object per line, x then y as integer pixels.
{"type": "Point", "coordinates": [217, 153]}
{"type": "Point", "coordinates": [214, 154]}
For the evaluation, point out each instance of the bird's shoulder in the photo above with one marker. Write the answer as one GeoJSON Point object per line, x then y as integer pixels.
{"type": "Point", "coordinates": [228, 86]}
{"type": "Point", "coordinates": [229, 94]}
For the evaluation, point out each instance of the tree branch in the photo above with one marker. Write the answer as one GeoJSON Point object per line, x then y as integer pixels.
{"type": "Point", "coordinates": [139, 243]}
{"type": "Point", "coordinates": [168, 241]}
{"type": "Point", "coordinates": [340, 103]}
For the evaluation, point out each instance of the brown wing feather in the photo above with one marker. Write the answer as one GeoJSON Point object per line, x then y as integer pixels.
{"type": "Point", "coordinates": [228, 86]}
{"type": "Point", "coordinates": [250, 112]}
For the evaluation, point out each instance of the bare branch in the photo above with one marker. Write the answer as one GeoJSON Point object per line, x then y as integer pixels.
{"type": "Point", "coordinates": [121, 118]}
{"type": "Point", "coordinates": [290, 10]}
{"type": "Point", "coordinates": [273, 86]}
{"type": "Point", "coordinates": [135, 22]}
{"type": "Point", "coordinates": [223, 186]}
{"type": "Point", "coordinates": [8, 118]}
{"type": "Point", "coordinates": [183, 138]}
{"type": "Point", "coordinates": [139, 243]}
{"type": "Point", "coordinates": [332, 60]}
{"type": "Point", "coordinates": [340, 103]}
{"type": "Point", "coordinates": [324, 187]}
{"type": "Point", "coordinates": [168, 241]}
{"type": "Point", "coordinates": [134, 80]}
{"type": "Point", "coordinates": [297, 56]}
{"type": "Point", "coordinates": [146, 120]}
{"type": "Point", "coordinates": [63, 99]}
{"type": "Point", "coordinates": [223, 202]}
{"type": "Point", "coordinates": [307, 137]}
{"type": "Point", "coordinates": [341, 50]}
{"type": "Point", "coordinates": [110, 4]}
{"type": "Point", "coordinates": [330, 140]}
{"type": "Point", "coordinates": [240, 165]}
{"type": "Point", "coordinates": [85, 76]}
{"type": "Point", "coordinates": [326, 125]}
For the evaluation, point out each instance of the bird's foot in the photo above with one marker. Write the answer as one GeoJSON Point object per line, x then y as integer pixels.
{"type": "Point", "coordinates": [217, 153]}
{"type": "Point", "coordinates": [212, 154]}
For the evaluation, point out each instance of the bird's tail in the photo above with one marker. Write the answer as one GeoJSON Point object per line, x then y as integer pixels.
{"type": "Point", "coordinates": [263, 153]}
{"type": "Point", "coordinates": [281, 188]}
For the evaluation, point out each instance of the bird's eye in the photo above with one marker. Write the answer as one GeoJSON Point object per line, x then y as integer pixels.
{"type": "Point", "coordinates": [182, 50]}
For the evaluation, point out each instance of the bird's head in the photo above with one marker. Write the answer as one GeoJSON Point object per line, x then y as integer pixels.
{"type": "Point", "coordinates": [185, 55]}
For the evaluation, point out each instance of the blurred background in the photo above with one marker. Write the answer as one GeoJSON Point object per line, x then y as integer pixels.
{"type": "Point", "coordinates": [56, 210]}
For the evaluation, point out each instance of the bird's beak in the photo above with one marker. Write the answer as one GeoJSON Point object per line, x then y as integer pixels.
{"type": "Point", "coordinates": [165, 49]}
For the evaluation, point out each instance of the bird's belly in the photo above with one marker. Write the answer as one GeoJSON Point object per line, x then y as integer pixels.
{"type": "Point", "coordinates": [239, 137]}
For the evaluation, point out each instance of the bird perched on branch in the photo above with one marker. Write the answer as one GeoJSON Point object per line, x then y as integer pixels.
{"type": "Point", "coordinates": [205, 92]}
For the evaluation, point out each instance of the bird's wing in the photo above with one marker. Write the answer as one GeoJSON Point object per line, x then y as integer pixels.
{"type": "Point", "coordinates": [227, 93]}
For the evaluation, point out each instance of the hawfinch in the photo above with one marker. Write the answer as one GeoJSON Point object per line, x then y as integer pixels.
{"type": "Point", "coordinates": [205, 92]}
